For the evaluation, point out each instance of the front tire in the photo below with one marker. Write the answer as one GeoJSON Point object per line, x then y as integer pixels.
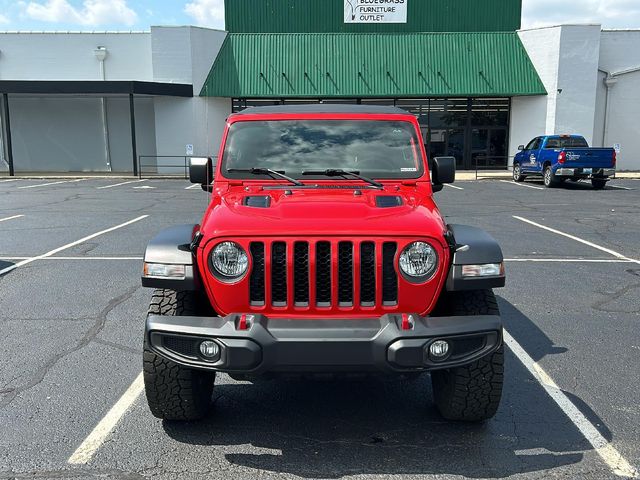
{"type": "Point", "coordinates": [471, 393]}
{"type": "Point", "coordinates": [175, 392]}
{"type": "Point", "coordinates": [517, 173]}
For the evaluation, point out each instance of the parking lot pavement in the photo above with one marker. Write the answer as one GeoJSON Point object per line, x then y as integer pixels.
{"type": "Point", "coordinates": [72, 324]}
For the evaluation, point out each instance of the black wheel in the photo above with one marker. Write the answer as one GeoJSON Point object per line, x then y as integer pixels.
{"type": "Point", "coordinates": [517, 173]}
{"type": "Point", "coordinates": [549, 178]}
{"type": "Point", "coordinates": [598, 183]}
{"type": "Point", "coordinates": [471, 393]}
{"type": "Point", "coordinates": [175, 392]}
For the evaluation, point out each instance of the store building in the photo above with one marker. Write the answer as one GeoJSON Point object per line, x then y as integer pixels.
{"type": "Point", "coordinates": [478, 84]}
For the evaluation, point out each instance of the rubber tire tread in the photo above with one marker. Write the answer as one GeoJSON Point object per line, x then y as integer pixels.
{"type": "Point", "coordinates": [598, 184]}
{"type": "Point", "coordinates": [175, 392]}
{"type": "Point", "coordinates": [471, 393]}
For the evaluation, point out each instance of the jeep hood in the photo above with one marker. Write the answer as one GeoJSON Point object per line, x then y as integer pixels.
{"type": "Point", "coordinates": [257, 211]}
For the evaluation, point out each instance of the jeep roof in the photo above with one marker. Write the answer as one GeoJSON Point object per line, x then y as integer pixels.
{"type": "Point", "coordinates": [323, 108]}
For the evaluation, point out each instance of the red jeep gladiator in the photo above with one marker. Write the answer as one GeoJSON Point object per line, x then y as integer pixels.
{"type": "Point", "coordinates": [323, 252]}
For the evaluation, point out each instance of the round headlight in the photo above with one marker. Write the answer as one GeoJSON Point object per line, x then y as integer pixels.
{"type": "Point", "coordinates": [419, 261]}
{"type": "Point", "coordinates": [229, 260]}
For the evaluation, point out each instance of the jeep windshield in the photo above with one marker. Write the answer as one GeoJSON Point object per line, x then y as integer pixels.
{"type": "Point", "coordinates": [372, 148]}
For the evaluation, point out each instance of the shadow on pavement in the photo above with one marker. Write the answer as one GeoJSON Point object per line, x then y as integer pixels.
{"type": "Point", "coordinates": [4, 264]}
{"type": "Point", "coordinates": [330, 429]}
{"type": "Point", "coordinates": [569, 185]}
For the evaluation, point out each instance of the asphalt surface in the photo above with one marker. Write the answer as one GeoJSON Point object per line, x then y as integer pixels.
{"type": "Point", "coordinates": [71, 326]}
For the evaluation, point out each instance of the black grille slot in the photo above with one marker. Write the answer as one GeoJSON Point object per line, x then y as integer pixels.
{"type": "Point", "coordinates": [367, 274]}
{"type": "Point", "coordinates": [323, 274]}
{"type": "Point", "coordinates": [279, 274]}
{"type": "Point", "coordinates": [389, 277]}
{"type": "Point", "coordinates": [301, 273]}
{"type": "Point", "coordinates": [345, 273]}
{"type": "Point", "coordinates": [187, 347]}
{"type": "Point", "coordinates": [256, 280]}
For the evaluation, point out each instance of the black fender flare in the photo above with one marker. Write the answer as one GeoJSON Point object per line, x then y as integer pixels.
{"type": "Point", "coordinates": [472, 246]}
{"type": "Point", "coordinates": [173, 246]}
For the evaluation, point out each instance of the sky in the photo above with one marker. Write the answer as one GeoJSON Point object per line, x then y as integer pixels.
{"type": "Point", "coordinates": [127, 15]}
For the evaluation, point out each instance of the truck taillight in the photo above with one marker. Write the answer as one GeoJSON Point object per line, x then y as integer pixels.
{"type": "Point", "coordinates": [561, 157]}
{"type": "Point", "coordinates": [613, 164]}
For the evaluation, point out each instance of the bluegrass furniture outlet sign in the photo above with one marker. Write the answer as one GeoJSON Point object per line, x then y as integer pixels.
{"type": "Point", "coordinates": [375, 11]}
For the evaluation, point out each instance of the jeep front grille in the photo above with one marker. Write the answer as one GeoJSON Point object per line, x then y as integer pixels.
{"type": "Point", "coordinates": [323, 274]}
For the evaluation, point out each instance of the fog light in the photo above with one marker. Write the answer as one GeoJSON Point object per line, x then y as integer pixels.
{"type": "Point", "coordinates": [209, 349]}
{"type": "Point", "coordinates": [439, 349]}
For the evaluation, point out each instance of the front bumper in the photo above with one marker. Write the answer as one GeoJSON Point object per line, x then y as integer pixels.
{"type": "Point", "coordinates": [579, 172]}
{"type": "Point", "coordinates": [382, 344]}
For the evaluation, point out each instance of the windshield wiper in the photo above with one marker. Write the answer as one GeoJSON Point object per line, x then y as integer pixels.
{"type": "Point", "coordinates": [266, 171]}
{"type": "Point", "coordinates": [336, 172]}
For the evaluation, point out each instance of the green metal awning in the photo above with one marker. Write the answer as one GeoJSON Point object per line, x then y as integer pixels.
{"type": "Point", "coordinates": [310, 65]}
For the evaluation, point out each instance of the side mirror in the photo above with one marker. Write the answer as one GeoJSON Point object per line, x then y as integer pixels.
{"type": "Point", "coordinates": [444, 171]}
{"type": "Point", "coordinates": [200, 170]}
{"type": "Point", "coordinates": [520, 147]}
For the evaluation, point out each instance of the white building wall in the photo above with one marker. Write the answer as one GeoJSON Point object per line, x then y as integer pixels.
{"type": "Point", "coordinates": [620, 59]}
{"type": "Point", "coordinates": [43, 138]}
{"type": "Point", "coordinates": [185, 54]}
{"type": "Point", "coordinates": [533, 116]}
{"type": "Point", "coordinates": [69, 56]}
{"type": "Point", "coordinates": [53, 133]}
{"type": "Point", "coordinates": [577, 80]}
{"type": "Point", "coordinates": [528, 119]}
{"type": "Point", "coordinates": [566, 59]}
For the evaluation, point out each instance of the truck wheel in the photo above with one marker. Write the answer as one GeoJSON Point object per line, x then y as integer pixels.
{"type": "Point", "coordinates": [549, 178]}
{"type": "Point", "coordinates": [517, 175]}
{"type": "Point", "coordinates": [471, 393]}
{"type": "Point", "coordinates": [598, 183]}
{"type": "Point", "coordinates": [175, 392]}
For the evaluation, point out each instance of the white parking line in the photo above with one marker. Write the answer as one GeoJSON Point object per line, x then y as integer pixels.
{"type": "Point", "coordinates": [51, 183]}
{"type": "Point", "coordinates": [614, 460]}
{"type": "Point", "coordinates": [453, 186]}
{"type": "Point", "coordinates": [567, 260]}
{"type": "Point", "coordinates": [578, 239]}
{"type": "Point", "coordinates": [621, 188]}
{"type": "Point", "coordinates": [10, 218]}
{"type": "Point", "coordinates": [98, 435]}
{"type": "Point", "coordinates": [521, 184]}
{"type": "Point", "coordinates": [119, 184]}
{"type": "Point", "coordinates": [196, 185]}
{"type": "Point", "coordinates": [69, 245]}
{"type": "Point", "coordinates": [9, 180]}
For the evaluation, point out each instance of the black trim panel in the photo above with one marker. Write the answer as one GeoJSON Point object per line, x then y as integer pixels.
{"type": "Point", "coordinates": [332, 345]}
{"type": "Point", "coordinates": [96, 87]}
{"type": "Point", "coordinates": [173, 246]}
{"type": "Point", "coordinates": [482, 247]}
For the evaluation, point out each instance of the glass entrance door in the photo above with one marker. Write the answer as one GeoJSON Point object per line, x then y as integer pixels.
{"type": "Point", "coordinates": [488, 147]}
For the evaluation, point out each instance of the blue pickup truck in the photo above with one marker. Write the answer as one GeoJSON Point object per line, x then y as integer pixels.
{"type": "Point", "coordinates": [564, 157]}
